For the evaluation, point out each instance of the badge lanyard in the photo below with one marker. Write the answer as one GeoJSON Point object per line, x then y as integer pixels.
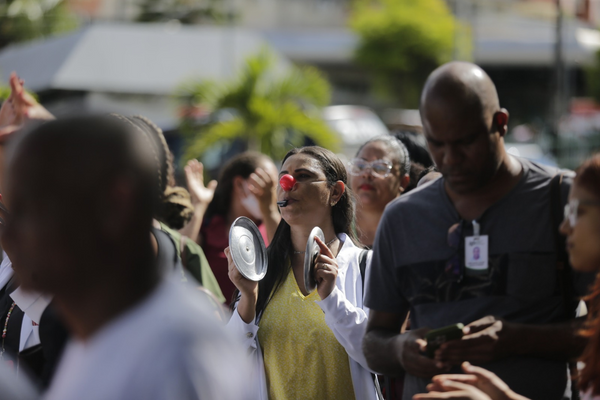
{"type": "Point", "coordinates": [476, 252]}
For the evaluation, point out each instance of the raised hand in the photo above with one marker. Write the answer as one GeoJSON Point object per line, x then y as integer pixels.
{"type": "Point", "coordinates": [200, 195]}
{"type": "Point", "coordinates": [263, 187]}
{"type": "Point", "coordinates": [248, 289]}
{"type": "Point", "coordinates": [326, 270]}
{"type": "Point", "coordinates": [18, 108]}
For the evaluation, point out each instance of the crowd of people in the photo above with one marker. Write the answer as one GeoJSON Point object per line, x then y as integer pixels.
{"type": "Point", "coordinates": [117, 283]}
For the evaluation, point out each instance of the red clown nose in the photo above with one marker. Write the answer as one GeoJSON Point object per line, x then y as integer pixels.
{"type": "Point", "coordinates": [287, 182]}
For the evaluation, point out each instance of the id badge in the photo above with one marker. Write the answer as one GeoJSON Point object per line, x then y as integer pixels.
{"type": "Point", "coordinates": [476, 253]}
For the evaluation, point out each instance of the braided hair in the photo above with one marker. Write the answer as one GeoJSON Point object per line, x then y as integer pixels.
{"type": "Point", "coordinates": [175, 204]}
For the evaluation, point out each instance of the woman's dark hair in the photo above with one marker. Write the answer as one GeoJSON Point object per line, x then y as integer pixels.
{"type": "Point", "coordinates": [416, 172]}
{"type": "Point", "coordinates": [241, 165]}
{"type": "Point", "coordinates": [588, 177]}
{"type": "Point", "coordinates": [400, 155]}
{"type": "Point", "coordinates": [280, 250]}
{"type": "Point", "coordinates": [175, 207]}
{"type": "Point", "coordinates": [416, 147]}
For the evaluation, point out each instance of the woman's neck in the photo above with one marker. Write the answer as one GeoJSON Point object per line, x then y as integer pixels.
{"type": "Point", "coordinates": [300, 234]}
{"type": "Point", "coordinates": [367, 222]}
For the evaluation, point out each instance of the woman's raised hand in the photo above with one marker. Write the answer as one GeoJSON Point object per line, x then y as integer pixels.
{"type": "Point", "coordinates": [244, 285]}
{"type": "Point", "coordinates": [249, 290]}
{"type": "Point", "coordinates": [263, 187]}
{"type": "Point", "coordinates": [200, 195]}
{"type": "Point", "coordinates": [326, 270]}
{"type": "Point", "coordinates": [18, 108]}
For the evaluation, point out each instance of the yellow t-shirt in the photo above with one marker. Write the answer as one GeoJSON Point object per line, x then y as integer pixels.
{"type": "Point", "coordinates": [303, 359]}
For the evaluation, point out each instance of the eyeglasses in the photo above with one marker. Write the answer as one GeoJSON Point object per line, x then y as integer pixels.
{"type": "Point", "coordinates": [378, 168]}
{"type": "Point", "coordinates": [572, 208]}
{"type": "Point", "coordinates": [453, 268]}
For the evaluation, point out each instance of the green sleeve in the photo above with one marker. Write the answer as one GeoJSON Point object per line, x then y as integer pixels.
{"type": "Point", "coordinates": [196, 259]}
{"type": "Point", "coordinates": [195, 262]}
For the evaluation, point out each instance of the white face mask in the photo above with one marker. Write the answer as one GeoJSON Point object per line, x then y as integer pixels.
{"type": "Point", "coordinates": [250, 202]}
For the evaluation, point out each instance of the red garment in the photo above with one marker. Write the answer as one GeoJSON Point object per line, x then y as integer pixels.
{"type": "Point", "coordinates": [215, 238]}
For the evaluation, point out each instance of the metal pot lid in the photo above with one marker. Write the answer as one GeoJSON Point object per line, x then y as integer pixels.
{"type": "Point", "coordinates": [310, 257]}
{"type": "Point", "coordinates": [248, 249]}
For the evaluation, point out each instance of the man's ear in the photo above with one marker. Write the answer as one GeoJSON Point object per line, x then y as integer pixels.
{"type": "Point", "coordinates": [337, 191]}
{"type": "Point", "coordinates": [501, 121]}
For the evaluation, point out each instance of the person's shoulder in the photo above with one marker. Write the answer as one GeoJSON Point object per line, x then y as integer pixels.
{"type": "Point", "coordinates": [537, 173]}
{"type": "Point", "coordinates": [350, 248]}
{"type": "Point", "coordinates": [537, 169]}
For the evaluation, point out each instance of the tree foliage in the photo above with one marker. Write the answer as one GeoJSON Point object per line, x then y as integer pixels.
{"type": "Point", "coordinates": [270, 113]}
{"type": "Point", "coordinates": [185, 11]}
{"type": "Point", "coordinates": [401, 42]}
{"type": "Point", "coordinates": [592, 78]}
{"type": "Point", "coordinates": [22, 20]}
{"type": "Point", "coordinates": [4, 92]}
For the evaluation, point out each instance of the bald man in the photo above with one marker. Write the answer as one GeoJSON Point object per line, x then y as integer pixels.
{"type": "Point", "coordinates": [82, 193]}
{"type": "Point", "coordinates": [477, 247]}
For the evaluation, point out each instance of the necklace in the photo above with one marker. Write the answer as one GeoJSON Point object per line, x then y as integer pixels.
{"type": "Point", "coordinates": [326, 244]}
{"type": "Point", "coordinates": [12, 307]}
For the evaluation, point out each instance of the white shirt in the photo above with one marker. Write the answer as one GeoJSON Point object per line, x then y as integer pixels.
{"type": "Point", "coordinates": [32, 304]}
{"type": "Point", "coordinates": [168, 347]}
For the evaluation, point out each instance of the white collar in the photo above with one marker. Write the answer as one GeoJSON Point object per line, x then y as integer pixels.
{"type": "Point", "coordinates": [6, 271]}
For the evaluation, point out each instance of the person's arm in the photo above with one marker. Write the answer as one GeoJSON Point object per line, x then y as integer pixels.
{"type": "Point", "coordinates": [347, 321]}
{"type": "Point", "coordinates": [490, 339]}
{"type": "Point", "coordinates": [389, 352]}
{"type": "Point", "coordinates": [246, 306]}
{"type": "Point", "coordinates": [200, 195]}
{"type": "Point", "coordinates": [263, 187]}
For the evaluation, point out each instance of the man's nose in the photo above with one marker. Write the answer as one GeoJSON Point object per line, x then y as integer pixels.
{"type": "Point", "coordinates": [452, 156]}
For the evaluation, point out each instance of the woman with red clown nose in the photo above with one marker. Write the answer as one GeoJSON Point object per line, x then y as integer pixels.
{"type": "Point", "coordinates": [308, 345]}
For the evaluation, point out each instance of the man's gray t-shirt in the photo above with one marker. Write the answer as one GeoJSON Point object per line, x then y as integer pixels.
{"type": "Point", "coordinates": [411, 252]}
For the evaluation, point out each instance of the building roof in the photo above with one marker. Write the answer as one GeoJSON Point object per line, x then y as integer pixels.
{"type": "Point", "coordinates": [132, 58]}
{"type": "Point", "coordinates": [498, 39]}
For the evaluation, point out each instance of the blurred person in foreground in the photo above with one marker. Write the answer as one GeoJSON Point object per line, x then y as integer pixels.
{"type": "Point", "coordinates": [82, 193]}
{"type": "Point", "coordinates": [246, 187]}
{"type": "Point", "coordinates": [379, 174]}
{"type": "Point", "coordinates": [21, 313]}
{"type": "Point", "coordinates": [308, 345]}
{"type": "Point", "coordinates": [517, 303]}
{"type": "Point", "coordinates": [581, 226]}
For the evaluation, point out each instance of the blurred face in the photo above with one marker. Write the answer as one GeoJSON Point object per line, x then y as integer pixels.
{"type": "Point", "coordinates": [581, 226]}
{"type": "Point", "coordinates": [310, 198]}
{"type": "Point", "coordinates": [33, 238]}
{"type": "Point", "coordinates": [374, 192]}
{"type": "Point", "coordinates": [462, 147]}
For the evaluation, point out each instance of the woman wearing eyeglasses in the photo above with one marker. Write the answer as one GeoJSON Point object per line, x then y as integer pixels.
{"type": "Point", "coordinates": [308, 345]}
{"type": "Point", "coordinates": [581, 226]}
{"type": "Point", "coordinates": [379, 174]}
